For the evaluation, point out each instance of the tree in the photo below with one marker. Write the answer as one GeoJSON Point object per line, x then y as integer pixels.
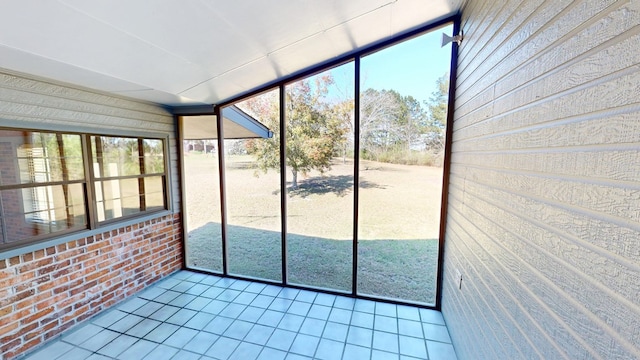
{"type": "Point", "coordinates": [314, 128]}
{"type": "Point", "coordinates": [390, 122]}
{"type": "Point", "coordinates": [378, 107]}
{"type": "Point", "coordinates": [437, 106]}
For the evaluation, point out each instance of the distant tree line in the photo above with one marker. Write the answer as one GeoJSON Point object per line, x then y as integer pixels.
{"type": "Point", "coordinates": [394, 128]}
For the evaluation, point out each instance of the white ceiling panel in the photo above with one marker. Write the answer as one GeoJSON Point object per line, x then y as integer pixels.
{"type": "Point", "coordinates": [195, 51]}
{"type": "Point", "coordinates": [87, 43]}
{"type": "Point", "coordinates": [18, 60]}
{"type": "Point", "coordinates": [184, 29]}
{"type": "Point", "coordinates": [262, 71]}
{"type": "Point", "coordinates": [211, 91]}
{"type": "Point", "coordinates": [403, 12]}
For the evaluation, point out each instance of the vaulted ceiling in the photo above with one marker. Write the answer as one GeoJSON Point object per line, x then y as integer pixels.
{"type": "Point", "coordinates": [189, 52]}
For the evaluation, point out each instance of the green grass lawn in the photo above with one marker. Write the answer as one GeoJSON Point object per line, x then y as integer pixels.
{"type": "Point", "coordinates": [397, 251]}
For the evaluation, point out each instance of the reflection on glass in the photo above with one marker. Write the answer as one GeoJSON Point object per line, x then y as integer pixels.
{"type": "Point", "coordinates": [153, 193]}
{"type": "Point", "coordinates": [42, 210]}
{"type": "Point", "coordinates": [153, 156]}
{"type": "Point", "coordinates": [28, 158]}
{"type": "Point", "coordinates": [202, 199]}
{"type": "Point", "coordinates": [115, 156]}
{"type": "Point", "coordinates": [42, 157]}
{"type": "Point", "coordinates": [133, 192]}
{"type": "Point", "coordinates": [320, 179]}
{"type": "Point", "coordinates": [400, 175]}
{"type": "Point", "coordinates": [252, 177]}
{"type": "Point", "coordinates": [117, 198]}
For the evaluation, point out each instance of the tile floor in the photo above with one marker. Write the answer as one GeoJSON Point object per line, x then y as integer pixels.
{"type": "Point", "coordinates": [195, 316]}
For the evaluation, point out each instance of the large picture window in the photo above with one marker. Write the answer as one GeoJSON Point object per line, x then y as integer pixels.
{"type": "Point", "coordinates": [45, 188]}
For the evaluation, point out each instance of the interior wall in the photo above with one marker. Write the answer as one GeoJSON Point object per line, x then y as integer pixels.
{"type": "Point", "coordinates": [544, 200]}
{"type": "Point", "coordinates": [46, 289]}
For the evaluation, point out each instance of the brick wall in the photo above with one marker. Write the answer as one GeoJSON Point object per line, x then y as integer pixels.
{"type": "Point", "coordinates": [45, 292]}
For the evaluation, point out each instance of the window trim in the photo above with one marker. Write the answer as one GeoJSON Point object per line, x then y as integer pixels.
{"type": "Point", "coordinates": [93, 226]}
{"type": "Point", "coordinates": [139, 177]}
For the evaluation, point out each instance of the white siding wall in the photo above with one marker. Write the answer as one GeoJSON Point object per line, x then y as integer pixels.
{"type": "Point", "coordinates": [35, 103]}
{"type": "Point", "coordinates": [544, 200]}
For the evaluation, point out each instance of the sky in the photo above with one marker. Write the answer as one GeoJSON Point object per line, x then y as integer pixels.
{"type": "Point", "coordinates": [411, 67]}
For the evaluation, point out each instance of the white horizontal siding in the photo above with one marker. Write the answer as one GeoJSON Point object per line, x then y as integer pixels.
{"type": "Point", "coordinates": [544, 199]}
{"type": "Point", "coordinates": [36, 103]}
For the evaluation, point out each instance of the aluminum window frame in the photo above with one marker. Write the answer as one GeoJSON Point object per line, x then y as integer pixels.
{"type": "Point", "coordinates": [92, 226]}
{"type": "Point", "coordinates": [280, 85]}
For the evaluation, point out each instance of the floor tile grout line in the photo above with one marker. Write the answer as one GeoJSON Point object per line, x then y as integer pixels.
{"type": "Point", "coordinates": [296, 303]}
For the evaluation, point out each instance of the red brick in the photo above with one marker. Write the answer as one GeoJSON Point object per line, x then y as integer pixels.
{"type": "Point", "coordinates": [27, 331]}
{"type": "Point", "coordinates": [66, 286]}
{"type": "Point", "coordinates": [6, 345]}
{"type": "Point", "coordinates": [53, 267]}
{"type": "Point", "coordinates": [54, 318]}
{"type": "Point", "coordinates": [26, 346]}
{"type": "Point", "coordinates": [8, 328]}
{"type": "Point", "coordinates": [14, 261]}
{"type": "Point", "coordinates": [32, 300]}
{"type": "Point", "coordinates": [39, 254]}
{"type": "Point", "coordinates": [66, 270]}
{"type": "Point", "coordinates": [6, 274]}
{"type": "Point", "coordinates": [27, 257]}
{"type": "Point", "coordinates": [70, 301]}
{"type": "Point", "coordinates": [55, 330]}
{"type": "Point", "coordinates": [70, 253]}
{"type": "Point", "coordinates": [16, 279]}
{"type": "Point", "coordinates": [37, 316]}
{"type": "Point", "coordinates": [97, 274]}
{"type": "Point", "coordinates": [83, 288]}
{"type": "Point", "coordinates": [53, 283]}
{"type": "Point", "coordinates": [17, 297]}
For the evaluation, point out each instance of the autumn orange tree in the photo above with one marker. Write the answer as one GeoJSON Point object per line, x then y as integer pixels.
{"type": "Point", "coordinates": [315, 129]}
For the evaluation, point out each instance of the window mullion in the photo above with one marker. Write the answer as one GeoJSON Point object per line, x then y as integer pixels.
{"type": "Point", "coordinates": [90, 189]}
{"type": "Point", "coordinates": [65, 177]}
{"type": "Point", "coordinates": [141, 189]}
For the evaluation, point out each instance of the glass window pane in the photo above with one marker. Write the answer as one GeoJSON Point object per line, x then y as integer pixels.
{"type": "Point", "coordinates": [320, 179]}
{"type": "Point", "coordinates": [117, 198]}
{"type": "Point", "coordinates": [36, 157]}
{"type": "Point", "coordinates": [202, 199]}
{"type": "Point", "coordinates": [154, 193]}
{"type": "Point", "coordinates": [73, 160]}
{"type": "Point", "coordinates": [400, 177]}
{"type": "Point", "coordinates": [115, 156]}
{"type": "Point", "coordinates": [254, 237]}
{"type": "Point", "coordinates": [153, 156]}
{"type": "Point", "coordinates": [42, 210]}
